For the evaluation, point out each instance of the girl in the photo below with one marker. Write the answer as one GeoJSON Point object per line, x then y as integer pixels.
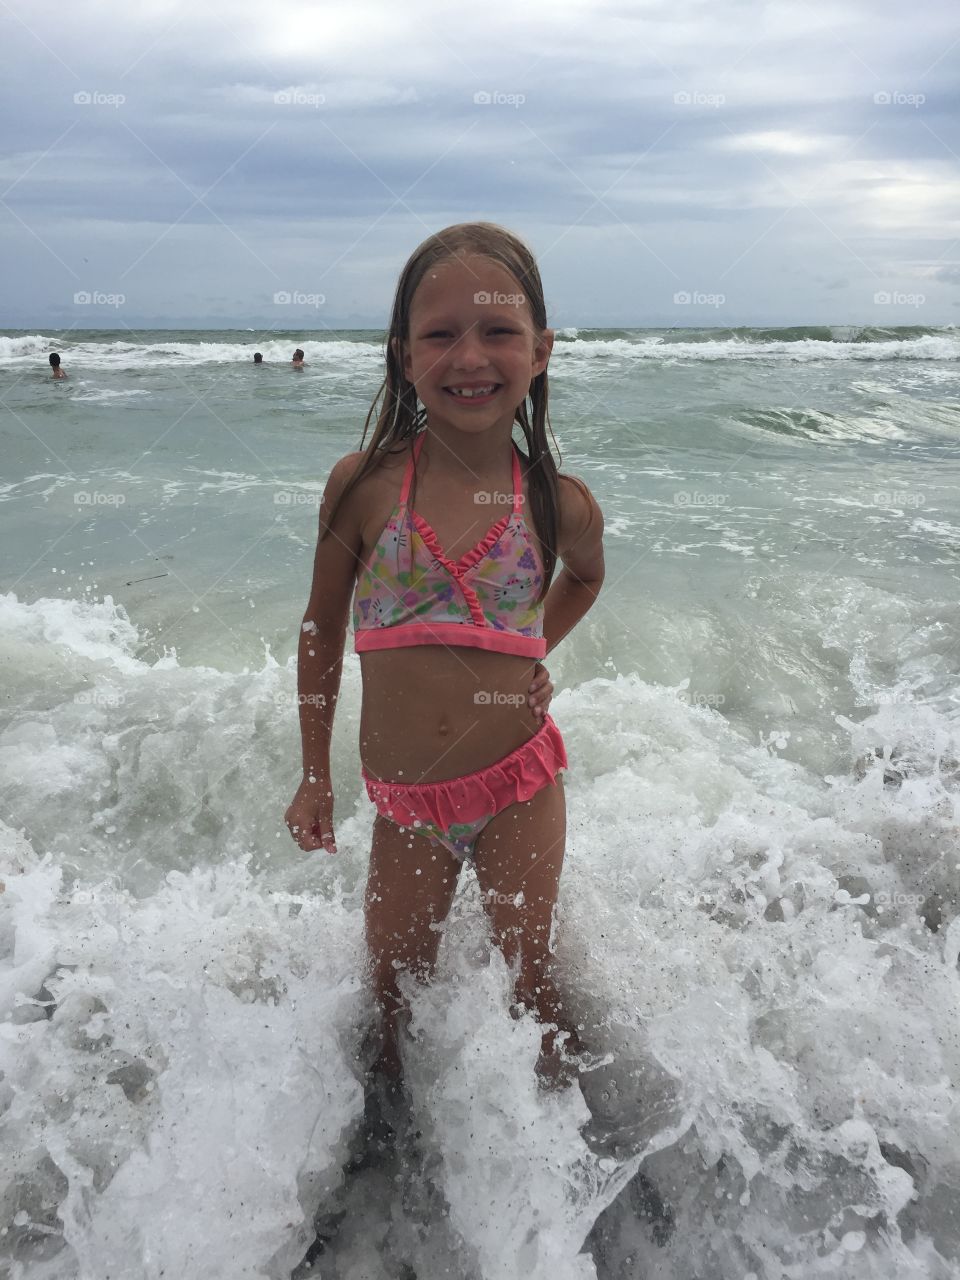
{"type": "Point", "coordinates": [457, 759]}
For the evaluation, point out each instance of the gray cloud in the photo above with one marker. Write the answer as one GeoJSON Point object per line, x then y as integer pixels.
{"type": "Point", "coordinates": [796, 160]}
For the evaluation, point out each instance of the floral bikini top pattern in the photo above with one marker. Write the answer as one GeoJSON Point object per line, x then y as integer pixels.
{"type": "Point", "coordinates": [410, 593]}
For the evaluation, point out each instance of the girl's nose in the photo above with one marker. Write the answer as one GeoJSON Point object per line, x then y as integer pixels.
{"type": "Point", "coordinates": [468, 352]}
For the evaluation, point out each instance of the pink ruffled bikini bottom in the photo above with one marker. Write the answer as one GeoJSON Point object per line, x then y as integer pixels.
{"type": "Point", "coordinates": [454, 812]}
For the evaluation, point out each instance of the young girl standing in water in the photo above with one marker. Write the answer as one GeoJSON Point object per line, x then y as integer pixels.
{"type": "Point", "coordinates": [459, 755]}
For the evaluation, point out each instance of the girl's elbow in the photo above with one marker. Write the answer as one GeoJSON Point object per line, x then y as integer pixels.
{"type": "Point", "coordinates": [322, 629]}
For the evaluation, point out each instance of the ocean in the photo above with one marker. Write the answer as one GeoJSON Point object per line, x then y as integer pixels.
{"type": "Point", "coordinates": [759, 903]}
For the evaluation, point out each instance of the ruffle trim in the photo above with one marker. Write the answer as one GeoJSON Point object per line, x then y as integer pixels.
{"type": "Point", "coordinates": [451, 635]}
{"type": "Point", "coordinates": [467, 561]}
{"type": "Point", "coordinates": [511, 780]}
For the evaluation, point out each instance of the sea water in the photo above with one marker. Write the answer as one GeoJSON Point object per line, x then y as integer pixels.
{"type": "Point", "coordinates": [758, 924]}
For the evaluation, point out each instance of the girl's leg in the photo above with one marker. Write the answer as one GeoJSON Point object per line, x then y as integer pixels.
{"type": "Point", "coordinates": [410, 886]}
{"type": "Point", "coordinates": [520, 851]}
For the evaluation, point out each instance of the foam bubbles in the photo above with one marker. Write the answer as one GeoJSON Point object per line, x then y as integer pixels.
{"type": "Point", "coordinates": [748, 945]}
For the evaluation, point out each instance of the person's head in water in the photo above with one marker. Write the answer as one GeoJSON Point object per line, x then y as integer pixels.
{"type": "Point", "coordinates": [54, 360]}
{"type": "Point", "coordinates": [298, 356]}
{"type": "Point", "coordinates": [257, 357]}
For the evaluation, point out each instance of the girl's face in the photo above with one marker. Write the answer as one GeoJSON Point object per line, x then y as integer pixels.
{"type": "Point", "coordinates": [471, 329]}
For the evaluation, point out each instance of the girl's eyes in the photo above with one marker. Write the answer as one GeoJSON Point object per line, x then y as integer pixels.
{"type": "Point", "coordinates": [443, 333]}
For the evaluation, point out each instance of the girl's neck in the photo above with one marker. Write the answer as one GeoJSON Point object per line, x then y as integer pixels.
{"type": "Point", "coordinates": [455, 452]}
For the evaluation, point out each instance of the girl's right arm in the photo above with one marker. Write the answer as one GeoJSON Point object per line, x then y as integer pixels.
{"type": "Point", "coordinates": [323, 635]}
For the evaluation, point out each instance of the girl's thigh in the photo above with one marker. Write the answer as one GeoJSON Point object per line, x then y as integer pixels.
{"type": "Point", "coordinates": [520, 852]}
{"type": "Point", "coordinates": [410, 886]}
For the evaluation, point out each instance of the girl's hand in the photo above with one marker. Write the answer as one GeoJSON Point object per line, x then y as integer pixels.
{"type": "Point", "coordinates": [541, 691]}
{"type": "Point", "coordinates": [310, 816]}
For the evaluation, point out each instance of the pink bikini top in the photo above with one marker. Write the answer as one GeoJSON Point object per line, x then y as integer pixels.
{"type": "Point", "coordinates": [409, 593]}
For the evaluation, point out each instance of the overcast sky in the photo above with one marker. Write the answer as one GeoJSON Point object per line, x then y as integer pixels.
{"type": "Point", "coordinates": [775, 163]}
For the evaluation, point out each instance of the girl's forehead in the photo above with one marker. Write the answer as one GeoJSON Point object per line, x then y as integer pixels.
{"type": "Point", "coordinates": [461, 276]}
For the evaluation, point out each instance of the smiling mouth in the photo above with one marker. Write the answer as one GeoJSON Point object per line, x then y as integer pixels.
{"type": "Point", "coordinates": [473, 393]}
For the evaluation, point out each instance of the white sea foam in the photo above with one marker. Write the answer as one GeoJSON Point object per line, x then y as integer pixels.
{"type": "Point", "coordinates": [944, 346]}
{"type": "Point", "coordinates": [122, 354]}
{"type": "Point", "coordinates": [181, 986]}
{"type": "Point", "coordinates": [103, 395]}
{"type": "Point", "coordinates": [335, 354]}
{"type": "Point", "coordinates": [28, 345]}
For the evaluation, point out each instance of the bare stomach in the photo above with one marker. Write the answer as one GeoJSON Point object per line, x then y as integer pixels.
{"type": "Point", "coordinates": [431, 713]}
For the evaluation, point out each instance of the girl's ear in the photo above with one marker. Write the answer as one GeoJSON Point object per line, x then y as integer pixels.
{"type": "Point", "coordinates": [542, 350]}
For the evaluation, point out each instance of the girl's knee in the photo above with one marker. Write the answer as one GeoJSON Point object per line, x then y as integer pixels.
{"type": "Point", "coordinates": [530, 939]}
{"type": "Point", "coordinates": [386, 967]}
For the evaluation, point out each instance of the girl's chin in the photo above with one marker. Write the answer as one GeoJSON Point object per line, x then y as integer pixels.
{"type": "Point", "coordinates": [463, 421]}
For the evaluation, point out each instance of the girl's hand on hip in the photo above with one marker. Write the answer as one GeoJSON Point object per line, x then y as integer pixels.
{"type": "Point", "coordinates": [310, 816]}
{"type": "Point", "coordinates": [541, 691]}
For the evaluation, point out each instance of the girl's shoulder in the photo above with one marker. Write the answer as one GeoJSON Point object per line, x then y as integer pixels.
{"type": "Point", "coordinates": [366, 492]}
{"type": "Point", "coordinates": [577, 508]}
{"type": "Point", "coordinates": [384, 468]}
{"type": "Point", "coordinates": [578, 511]}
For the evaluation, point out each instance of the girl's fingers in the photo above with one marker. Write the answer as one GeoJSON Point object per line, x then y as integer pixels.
{"type": "Point", "coordinates": [541, 691]}
{"type": "Point", "coordinates": [311, 837]}
{"type": "Point", "coordinates": [541, 702]}
{"type": "Point", "coordinates": [541, 678]}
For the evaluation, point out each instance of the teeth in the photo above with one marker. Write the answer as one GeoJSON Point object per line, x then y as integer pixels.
{"type": "Point", "coordinates": [476, 391]}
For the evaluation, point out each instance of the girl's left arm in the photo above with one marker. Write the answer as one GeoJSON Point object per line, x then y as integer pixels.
{"type": "Point", "coordinates": [580, 547]}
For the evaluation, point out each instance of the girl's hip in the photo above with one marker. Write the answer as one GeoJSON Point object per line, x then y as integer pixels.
{"type": "Point", "coordinates": [516, 776]}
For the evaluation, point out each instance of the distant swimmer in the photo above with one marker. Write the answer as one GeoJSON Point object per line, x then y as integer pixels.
{"type": "Point", "coordinates": [55, 366]}
{"type": "Point", "coordinates": [297, 360]}
{"type": "Point", "coordinates": [257, 358]}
